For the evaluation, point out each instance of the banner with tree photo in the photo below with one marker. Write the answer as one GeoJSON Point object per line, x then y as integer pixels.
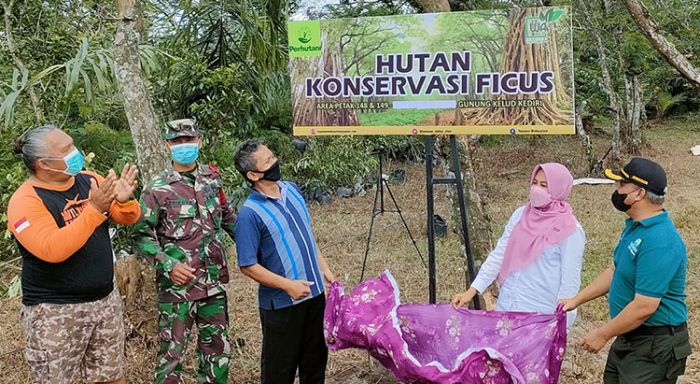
{"type": "Point", "coordinates": [479, 72]}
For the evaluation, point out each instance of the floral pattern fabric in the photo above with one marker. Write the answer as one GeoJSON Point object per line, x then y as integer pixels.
{"type": "Point", "coordinates": [436, 343]}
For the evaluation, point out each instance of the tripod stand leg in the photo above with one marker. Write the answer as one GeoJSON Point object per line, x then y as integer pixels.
{"type": "Point", "coordinates": [369, 236]}
{"type": "Point", "coordinates": [398, 210]}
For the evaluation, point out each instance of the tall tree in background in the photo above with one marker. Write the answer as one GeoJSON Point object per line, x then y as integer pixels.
{"type": "Point", "coordinates": [231, 67]}
{"type": "Point", "coordinates": [614, 157]}
{"type": "Point", "coordinates": [633, 109]}
{"type": "Point", "coordinates": [143, 123]}
{"type": "Point", "coordinates": [652, 31]}
{"type": "Point", "coordinates": [142, 119]}
{"type": "Point", "coordinates": [11, 48]}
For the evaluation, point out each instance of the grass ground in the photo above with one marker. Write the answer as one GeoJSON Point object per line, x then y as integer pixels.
{"type": "Point", "coordinates": [504, 165]}
{"type": "Point", "coordinates": [391, 117]}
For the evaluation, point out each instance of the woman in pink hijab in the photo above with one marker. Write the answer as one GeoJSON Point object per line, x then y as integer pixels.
{"type": "Point", "coordinates": [537, 260]}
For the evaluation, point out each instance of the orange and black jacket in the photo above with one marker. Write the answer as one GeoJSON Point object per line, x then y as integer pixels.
{"type": "Point", "coordinates": [64, 241]}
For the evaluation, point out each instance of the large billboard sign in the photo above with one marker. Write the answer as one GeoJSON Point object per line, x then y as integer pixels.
{"type": "Point", "coordinates": [480, 72]}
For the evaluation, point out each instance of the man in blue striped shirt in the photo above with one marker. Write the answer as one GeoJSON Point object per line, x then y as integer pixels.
{"type": "Point", "coordinates": [276, 248]}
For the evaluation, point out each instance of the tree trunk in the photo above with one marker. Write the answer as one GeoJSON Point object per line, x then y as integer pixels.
{"type": "Point", "coordinates": [12, 48]}
{"type": "Point", "coordinates": [552, 61]}
{"type": "Point", "coordinates": [479, 221]}
{"type": "Point", "coordinates": [635, 111]}
{"type": "Point", "coordinates": [630, 137]}
{"type": "Point", "coordinates": [148, 141]}
{"type": "Point", "coordinates": [585, 138]}
{"type": "Point", "coordinates": [614, 158]}
{"type": "Point", "coordinates": [521, 57]}
{"type": "Point", "coordinates": [668, 51]}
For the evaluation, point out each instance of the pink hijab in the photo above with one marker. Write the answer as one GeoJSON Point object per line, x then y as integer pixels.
{"type": "Point", "coordinates": [540, 228]}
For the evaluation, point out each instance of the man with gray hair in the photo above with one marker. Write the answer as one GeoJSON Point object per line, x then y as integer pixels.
{"type": "Point", "coordinates": [646, 285]}
{"type": "Point", "coordinates": [71, 312]}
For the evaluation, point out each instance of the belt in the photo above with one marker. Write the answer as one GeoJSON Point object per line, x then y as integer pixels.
{"type": "Point", "coordinates": [646, 330]}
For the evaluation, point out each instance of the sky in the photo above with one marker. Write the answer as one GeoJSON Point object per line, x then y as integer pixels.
{"type": "Point", "coordinates": [310, 5]}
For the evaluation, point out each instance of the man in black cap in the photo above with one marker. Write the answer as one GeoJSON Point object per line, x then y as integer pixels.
{"type": "Point", "coordinates": [645, 283]}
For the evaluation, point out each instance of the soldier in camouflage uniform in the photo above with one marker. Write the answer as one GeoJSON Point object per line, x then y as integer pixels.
{"type": "Point", "coordinates": [184, 213]}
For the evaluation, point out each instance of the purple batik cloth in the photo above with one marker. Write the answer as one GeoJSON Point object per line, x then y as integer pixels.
{"type": "Point", "coordinates": [422, 343]}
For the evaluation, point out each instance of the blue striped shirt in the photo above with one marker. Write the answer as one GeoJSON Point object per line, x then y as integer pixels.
{"type": "Point", "coordinates": [277, 234]}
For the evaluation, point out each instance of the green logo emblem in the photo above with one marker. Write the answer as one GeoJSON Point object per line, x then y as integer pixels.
{"type": "Point", "coordinates": [304, 38]}
{"type": "Point", "coordinates": [536, 27]}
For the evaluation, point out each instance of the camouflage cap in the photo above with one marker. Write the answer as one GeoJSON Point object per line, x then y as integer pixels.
{"type": "Point", "coordinates": [180, 128]}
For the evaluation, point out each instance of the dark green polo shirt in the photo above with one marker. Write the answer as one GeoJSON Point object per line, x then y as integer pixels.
{"type": "Point", "coordinates": [651, 260]}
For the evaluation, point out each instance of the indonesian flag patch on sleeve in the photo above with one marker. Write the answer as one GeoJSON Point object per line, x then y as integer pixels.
{"type": "Point", "coordinates": [21, 225]}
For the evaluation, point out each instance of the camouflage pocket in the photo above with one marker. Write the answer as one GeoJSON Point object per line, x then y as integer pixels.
{"type": "Point", "coordinates": [38, 363]}
{"type": "Point", "coordinates": [214, 207]}
{"type": "Point", "coordinates": [30, 314]}
{"type": "Point", "coordinates": [179, 223]}
{"type": "Point", "coordinates": [166, 318]}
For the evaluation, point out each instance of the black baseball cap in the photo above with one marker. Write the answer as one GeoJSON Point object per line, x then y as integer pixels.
{"type": "Point", "coordinates": [641, 172]}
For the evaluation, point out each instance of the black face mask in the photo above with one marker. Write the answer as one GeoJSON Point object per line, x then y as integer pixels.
{"type": "Point", "coordinates": [618, 200]}
{"type": "Point", "coordinates": [273, 173]}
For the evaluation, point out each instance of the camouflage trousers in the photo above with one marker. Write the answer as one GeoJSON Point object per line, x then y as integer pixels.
{"type": "Point", "coordinates": [175, 322]}
{"type": "Point", "coordinates": [69, 342]}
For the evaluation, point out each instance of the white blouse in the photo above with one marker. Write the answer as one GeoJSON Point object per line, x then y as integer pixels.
{"type": "Point", "coordinates": [554, 275]}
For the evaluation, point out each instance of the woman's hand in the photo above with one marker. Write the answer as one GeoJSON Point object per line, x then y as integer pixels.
{"type": "Point", "coordinates": [569, 304]}
{"type": "Point", "coordinates": [463, 299]}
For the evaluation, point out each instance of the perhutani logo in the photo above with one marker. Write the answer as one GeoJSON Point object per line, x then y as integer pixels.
{"type": "Point", "coordinates": [536, 27]}
{"type": "Point", "coordinates": [304, 38]}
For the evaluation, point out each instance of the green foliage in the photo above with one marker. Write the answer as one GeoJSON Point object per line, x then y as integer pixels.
{"type": "Point", "coordinates": [113, 149]}
{"type": "Point", "coordinates": [668, 101]}
{"type": "Point", "coordinates": [15, 288]}
{"type": "Point", "coordinates": [332, 162]}
{"type": "Point", "coordinates": [87, 73]}
{"type": "Point", "coordinates": [9, 99]}
{"type": "Point", "coordinates": [393, 117]}
{"type": "Point", "coordinates": [379, 8]}
{"type": "Point", "coordinates": [229, 32]}
{"type": "Point", "coordinates": [679, 21]}
{"type": "Point", "coordinates": [471, 36]}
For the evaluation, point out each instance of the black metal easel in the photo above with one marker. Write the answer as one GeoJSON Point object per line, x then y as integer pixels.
{"type": "Point", "coordinates": [431, 182]}
{"type": "Point", "coordinates": [383, 183]}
